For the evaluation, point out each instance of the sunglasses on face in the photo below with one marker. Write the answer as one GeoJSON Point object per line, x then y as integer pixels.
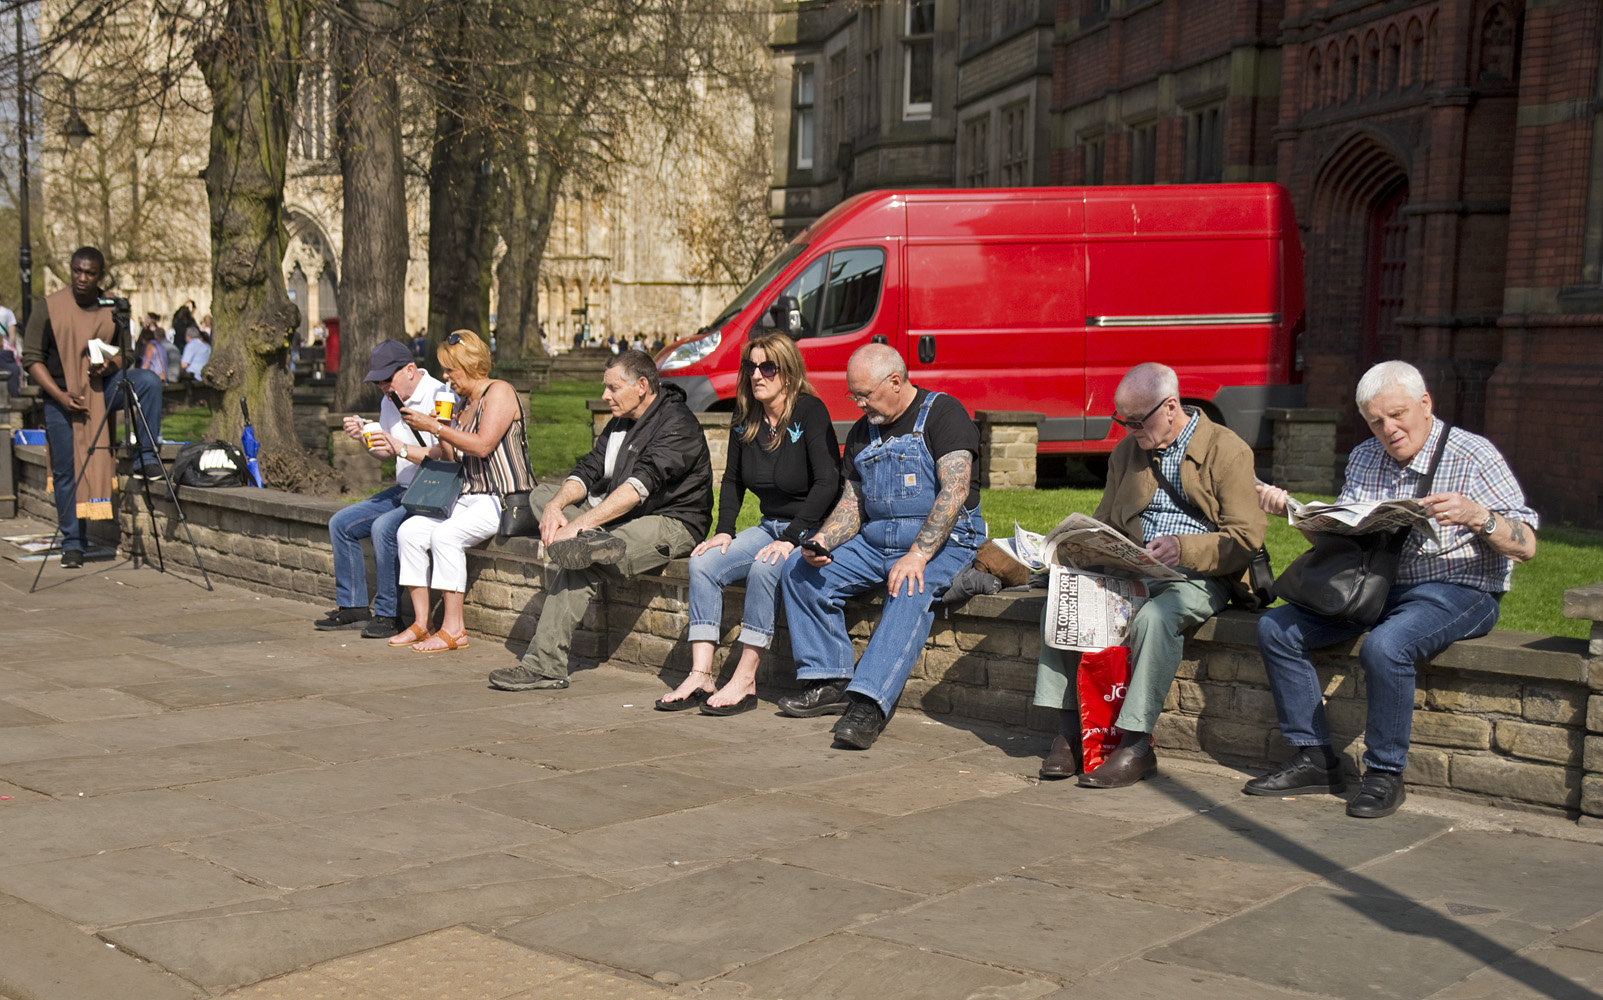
{"type": "Point", "coordinates": [1135, 425]}
{"type": "Point", "coordinates": [767, 369]}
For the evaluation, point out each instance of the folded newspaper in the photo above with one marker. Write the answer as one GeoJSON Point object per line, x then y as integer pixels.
{"type": "Point", "coordinates": [1360, 517]}
{"type": "Point", "coordinates": [1025, 548]}
{"type": "Point", "coordinates": [1095, 585]}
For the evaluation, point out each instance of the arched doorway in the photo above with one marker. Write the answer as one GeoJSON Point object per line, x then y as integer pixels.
{"type": "Point", "coordinates": [1385, 264]}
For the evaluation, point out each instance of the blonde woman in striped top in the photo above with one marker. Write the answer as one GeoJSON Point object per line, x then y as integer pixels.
{"type": "Point", "coordinates": [487, 436]}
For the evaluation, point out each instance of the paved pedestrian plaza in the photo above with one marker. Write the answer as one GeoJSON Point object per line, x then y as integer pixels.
{"type": "Point", "coordinates": [202, 796]}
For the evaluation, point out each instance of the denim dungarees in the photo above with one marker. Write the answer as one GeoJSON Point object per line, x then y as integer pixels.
{"type": "Point", "coordinates": [899, 487]}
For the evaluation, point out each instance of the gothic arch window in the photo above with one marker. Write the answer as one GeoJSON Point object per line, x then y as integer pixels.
{"type": "Point", "coordinates": [1371, 65]}
{"type": "Point", "coordinates": [1414, 54]}
{"type": "Point", "coordinates": [1332, 74]}
{"type": "Point", "coordinates": [1385, 261]}
{"type": "Point", "coordinates": [1311, 81]}
{"type": "Point", "coordinates": [1349, 75]}
{"type": "Point", "coordinates": [1497, 46]}
{"type": "Point", "coordinates": [1391, 54]}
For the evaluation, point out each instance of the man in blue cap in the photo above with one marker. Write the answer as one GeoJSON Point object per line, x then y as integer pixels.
{"type": "Point", "coordinates": [378, 517]}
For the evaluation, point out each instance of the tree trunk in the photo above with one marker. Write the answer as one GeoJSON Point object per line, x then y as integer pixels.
{"type": "Point", "coordinates": [373, 257]}
{"type": "Point", "coordinates": [250, 65]}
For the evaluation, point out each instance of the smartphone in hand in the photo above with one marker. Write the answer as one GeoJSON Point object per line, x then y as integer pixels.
{"type": "Point", "coordinates": [815, 548]}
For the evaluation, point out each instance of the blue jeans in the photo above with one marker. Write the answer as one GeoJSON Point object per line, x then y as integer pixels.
{"type": "Point", "coordinates": [1420, 621]}
{"type": "Point", "coordinates": [378, 517]}
{"type": "Point", "coordinates": [146, 388]}
{"type": "Point", "coordinates": [815, 601]}
{"type": "Point", "coordinates": [711, 571]}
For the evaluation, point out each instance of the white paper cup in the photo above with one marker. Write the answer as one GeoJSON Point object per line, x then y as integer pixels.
{"type": "Point", "coordinates": [371, 434]}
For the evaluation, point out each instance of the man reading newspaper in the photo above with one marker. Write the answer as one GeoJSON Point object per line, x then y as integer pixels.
{"type": "Point", "coordinates": [1207, 529]}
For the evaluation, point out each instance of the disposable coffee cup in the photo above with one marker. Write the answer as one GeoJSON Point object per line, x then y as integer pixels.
{"type": "Point", "coordinates": [443, 408]}
{"type": "Point", "coordinates": [372, 434]}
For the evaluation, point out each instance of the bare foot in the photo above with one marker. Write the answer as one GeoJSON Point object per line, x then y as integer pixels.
{"type": "Point", "coordinates": [732, 693]}
{"type": "Point", "coordinates": [698, 680]}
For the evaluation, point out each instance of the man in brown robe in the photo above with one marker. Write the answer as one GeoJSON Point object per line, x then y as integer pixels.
{"type": "Point", "coordinates": [56, 354]}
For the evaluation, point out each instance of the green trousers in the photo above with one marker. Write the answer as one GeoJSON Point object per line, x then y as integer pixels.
{"type": "Point", "coordinates": [1156, 642]}
{"type": "Point", "coordinates": [649, 542]}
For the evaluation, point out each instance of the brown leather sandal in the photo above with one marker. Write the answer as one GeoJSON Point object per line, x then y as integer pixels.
{"type": "Point", "coordinates": [415, 633]}
{"type": "Point", "coordinates": [458, 641]}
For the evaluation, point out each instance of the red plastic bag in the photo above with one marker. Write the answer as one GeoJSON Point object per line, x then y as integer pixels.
{"type": "Point", "coordinates": [1103, 680]}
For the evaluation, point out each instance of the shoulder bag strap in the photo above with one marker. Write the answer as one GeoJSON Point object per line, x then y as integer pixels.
{"type": "Point", "coordinates": [1425, 484]}
{"type": "Point", "coordinates": [1186, 506]}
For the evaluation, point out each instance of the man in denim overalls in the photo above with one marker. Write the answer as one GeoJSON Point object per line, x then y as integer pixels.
{"type": "Point", "coordinates": [908, 518]}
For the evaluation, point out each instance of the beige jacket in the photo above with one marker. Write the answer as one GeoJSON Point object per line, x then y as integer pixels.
{"type": "Point", "coordinates": [1216, 475]}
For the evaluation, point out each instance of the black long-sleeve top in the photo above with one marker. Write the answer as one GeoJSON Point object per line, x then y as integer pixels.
{"type": "Point", "coordinates": [799, 480]}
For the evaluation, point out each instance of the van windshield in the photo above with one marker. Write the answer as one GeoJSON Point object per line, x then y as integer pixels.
{"type": "Point", "coordinates": [790, 253]}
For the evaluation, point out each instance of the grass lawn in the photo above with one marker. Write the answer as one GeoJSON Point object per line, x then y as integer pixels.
{"type": "Point", "coordinates": [559, 426]}
{"type": "Point", "coordinates": [185, 425]}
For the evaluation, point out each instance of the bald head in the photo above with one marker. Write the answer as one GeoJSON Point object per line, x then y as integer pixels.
{"type": "Point", "coordinates": [877, 361]}
{"type": "Point", "coordinates": [1146, 384]}
{"type": "Point", "coordinates": [876, 377]}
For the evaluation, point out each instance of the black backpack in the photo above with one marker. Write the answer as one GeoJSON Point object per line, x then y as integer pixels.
{"type": "Point", "coordinates": [210, 463]}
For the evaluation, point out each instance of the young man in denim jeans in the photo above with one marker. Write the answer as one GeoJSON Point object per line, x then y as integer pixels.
{"type": "Point", "coordinates": [392, 367]}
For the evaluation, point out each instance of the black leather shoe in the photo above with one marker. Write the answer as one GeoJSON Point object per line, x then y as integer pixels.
{"type": "Point", "coordinates": [1378, 796]}
{"type": "Point", "coordinates": [823, 698]}
{"type": "Point", "coordinates": [1060, 762]}
{"type": "Point", "coordinates": [72, 558]}
{"type": "Point", "coordinates": [1303, 774]}
{"type": "Point", "coordinates": [1123, 767]}
{"type": "Point", "coordinates": [861, 725]}
{"type": "Point", "coordinates": [344, 619]}
{"type": "Point", "coordinates": [381, 627]}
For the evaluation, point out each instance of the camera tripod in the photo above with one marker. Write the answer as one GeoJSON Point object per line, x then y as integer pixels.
{"type": "Point", "coordinates": [124, 395]}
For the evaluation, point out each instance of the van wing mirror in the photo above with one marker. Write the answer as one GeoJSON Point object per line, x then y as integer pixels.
{"type": "Point", "coordinates": [785, 315]}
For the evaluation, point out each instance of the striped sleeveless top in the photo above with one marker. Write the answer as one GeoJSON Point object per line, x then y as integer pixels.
{"type": "Point", "coordinates": [504, 470]}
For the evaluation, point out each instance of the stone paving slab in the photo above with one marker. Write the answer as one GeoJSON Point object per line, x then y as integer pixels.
{"type": "Point", "coordinates": [219, 689]}
{"type": "Point", "coordinates": [147, 769]}
{"type": "Point", "coordinates": [220, 722]}
{"type": "Point", "coordinates": [848, 966]}
{"type": "Point", "coordinates": [944, 849]}
{"type": "Point", "coordinates": [125, 669]}
{"type": "Point", "coordinates": [602, 748]}
{"type": "Point", "coordinates": [1341, 944]}
{"type": "Point", "coordinates": [1536, 974]}
{"type": "Point", "coordinates": [122, 886]}
{"type": "Point", "coordinates": [80, 704]}
{"type": "Point", "coordinates": [929, 784]}
{"type": "Point", "coordinates": [1001, 923]}
{"type": "Point", "coordinates": [604, 797]}
{"type": "Point", "coordinates": [45, 956]}
{"type": "Point", "coordinates": [75, 827]}
{"type": "Point", "coordinates": [737, 913]}
{"type": "Point", "coordinates": [1159, 875]}
{"type": "Point", "coordinates": [1144, 980]}
{"type": "Point", "coordinates": [389, 737]}
{"type": "Point", "coordinates": [785, 763]}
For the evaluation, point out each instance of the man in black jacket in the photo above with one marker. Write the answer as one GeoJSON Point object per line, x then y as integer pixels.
{"type": "Point", "coordinates": [642, 496]}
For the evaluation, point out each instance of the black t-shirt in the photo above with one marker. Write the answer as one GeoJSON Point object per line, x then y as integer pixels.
{"type": "Point", "coordinates": [948, 429]}
{"type": "Point", "coordinates": [799, 480]}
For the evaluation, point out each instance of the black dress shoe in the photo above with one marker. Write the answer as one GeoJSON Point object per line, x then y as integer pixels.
{"type": "Point", "coordinates": [72, 558]}
{"type": "Point", "coordinates": [745, 704]}
{"type": "Point", "coordinates": [823, 698]}
{"type": "Point", "coordinates": [1124, 767]}
{"type": "Point", "coordinates": [689, 701]}
{"type": "Point", "coordinates": [1060, 762]}
{"type": "Point", "coordinates": [1379, 795]}
{"type": "Point", "coordinates": [1303, 774]}
{"type": "Point", "coordinates": [861, 725]}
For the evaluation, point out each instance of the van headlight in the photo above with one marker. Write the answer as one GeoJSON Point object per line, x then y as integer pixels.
{"type": "Point", "coordinates": [690, 352]}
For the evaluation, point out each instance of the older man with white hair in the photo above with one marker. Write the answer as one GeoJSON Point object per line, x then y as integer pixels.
{"type": "Point", "coordinates": [1443, 591]}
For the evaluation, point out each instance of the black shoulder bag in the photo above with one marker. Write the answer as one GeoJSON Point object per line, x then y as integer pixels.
{"type": "Point", "coordinates": [1347, 577]}
{"type": "Point", "coordinates": [1258, 589]}
{"type": "Point", "coordinates": [518, 516]}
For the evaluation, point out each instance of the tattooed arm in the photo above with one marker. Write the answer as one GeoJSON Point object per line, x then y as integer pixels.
{"type": "Point", "coordinates": [954, 469]}
{"type": "Point", "coordinates": [842, 523]}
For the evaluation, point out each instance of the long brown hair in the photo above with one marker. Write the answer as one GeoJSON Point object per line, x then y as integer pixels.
{"type": "Point", "coordinates": [781, 350]}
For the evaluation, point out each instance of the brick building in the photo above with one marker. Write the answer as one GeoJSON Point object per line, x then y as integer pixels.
{"type": "Point", "coordinates": [1446, 162]}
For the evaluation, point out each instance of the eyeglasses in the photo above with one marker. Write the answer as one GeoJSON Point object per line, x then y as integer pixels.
{"type": "Point", "coordinates": [454, 339]}
{"type": "Point", "coordinates": [1135, 425]}
{"type": "Point", "coordinates": [767, 369]}
{"type": "Point", "coordinates": [862, 397]}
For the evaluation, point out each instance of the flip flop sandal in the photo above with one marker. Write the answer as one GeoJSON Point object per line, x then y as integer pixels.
{"type": "Point", "coordinates": [415, 633]}
{"type": "Point", "coordinates": [458, 641]}
{"type": "Point", "coordinates": [745, 704]}
{"type": "Point", "coordinates": [689, 701]}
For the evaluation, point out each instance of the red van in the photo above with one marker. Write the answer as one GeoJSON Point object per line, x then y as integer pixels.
{"type": "Point", "coordinates": [1034, 299]}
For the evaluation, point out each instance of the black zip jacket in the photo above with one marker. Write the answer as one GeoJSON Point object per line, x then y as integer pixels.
{"type": "Point", "coordinates": [667, 452]}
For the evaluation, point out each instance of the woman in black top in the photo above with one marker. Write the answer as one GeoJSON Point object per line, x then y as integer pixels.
{"type": "Point", "coordinates": [782, 448]}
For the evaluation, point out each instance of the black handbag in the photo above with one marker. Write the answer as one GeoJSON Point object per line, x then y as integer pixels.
{"type": "Point", "coordinates": [518, 516]}
{"type": "Point", "coordinates": [1347, 577]}
{"type": "Point", "coordinates": [433, 491]}
{"type": "Point", "coordinates": [1258, 591]}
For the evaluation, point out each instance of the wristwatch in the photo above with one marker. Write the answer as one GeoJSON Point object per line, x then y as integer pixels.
{"type": "Point", "coordinates": [1491, 524]}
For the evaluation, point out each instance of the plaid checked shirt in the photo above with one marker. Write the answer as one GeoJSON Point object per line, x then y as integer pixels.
{"type": "Point", "coordinates": [1470, 465]}
{"type": "Point", "coordinates": [1161, 516]}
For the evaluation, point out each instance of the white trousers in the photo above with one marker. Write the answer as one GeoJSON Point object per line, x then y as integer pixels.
{"type": "Point", "coordinates": [445, 541]}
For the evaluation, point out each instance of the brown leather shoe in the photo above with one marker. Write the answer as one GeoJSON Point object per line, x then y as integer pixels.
{"type": "Point", "coordinates": [1122, 769]}
{"type": "Point", "coordinates": [1060, 762]}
